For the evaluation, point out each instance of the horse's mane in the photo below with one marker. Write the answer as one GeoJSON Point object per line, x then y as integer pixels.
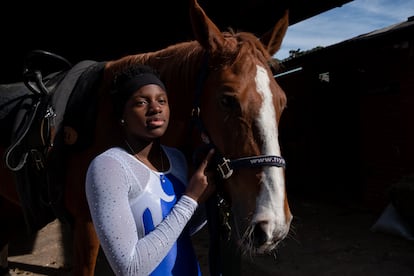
{"type": "Point", "coordinates": [183, 55]}
{"type": "Point", "coordinates": [167, 58]}
{"type": "Point", "coordinates": [179, 59]}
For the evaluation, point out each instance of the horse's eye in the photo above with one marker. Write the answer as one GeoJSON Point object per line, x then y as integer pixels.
{"type": "Point", "coordinates": [228, 101]}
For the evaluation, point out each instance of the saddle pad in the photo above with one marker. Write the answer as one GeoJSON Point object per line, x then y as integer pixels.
{"type": "Point", "coordinates": [80, 112]}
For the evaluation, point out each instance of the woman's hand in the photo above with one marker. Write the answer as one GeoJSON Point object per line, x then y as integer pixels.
{"type": "Point", "coordinates": [199, 187]}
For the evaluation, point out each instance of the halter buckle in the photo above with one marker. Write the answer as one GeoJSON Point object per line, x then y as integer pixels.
{"type": "Point", "coordinates": [224, 168]}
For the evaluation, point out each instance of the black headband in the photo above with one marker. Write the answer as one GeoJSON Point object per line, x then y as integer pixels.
{"type": "Point", "coordinates": [132, 85]}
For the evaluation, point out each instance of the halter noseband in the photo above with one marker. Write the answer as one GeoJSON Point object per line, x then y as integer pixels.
{"type": "Point", "coordinates": [227, 166]}
{"type": "Point", "coordinates": [224, 165]}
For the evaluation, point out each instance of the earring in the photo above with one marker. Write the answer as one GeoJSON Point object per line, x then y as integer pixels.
{"type": "Point", "coordinates": [122, 121]}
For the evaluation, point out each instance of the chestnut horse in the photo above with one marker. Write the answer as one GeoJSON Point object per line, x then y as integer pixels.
{"type": "Point", "coordinates": [222, 94]}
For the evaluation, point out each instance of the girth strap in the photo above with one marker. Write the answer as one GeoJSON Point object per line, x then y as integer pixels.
{"type": "Point", "coordinates": [10, 150]}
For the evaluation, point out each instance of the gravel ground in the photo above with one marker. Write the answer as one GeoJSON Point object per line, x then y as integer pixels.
{"type": "Point", "coordinates": [325, 240]}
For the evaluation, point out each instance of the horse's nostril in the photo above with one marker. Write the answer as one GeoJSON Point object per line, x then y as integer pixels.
{"type": "Point", "coordinates": [259, 234]}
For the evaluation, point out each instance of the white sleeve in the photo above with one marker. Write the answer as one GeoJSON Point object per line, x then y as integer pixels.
{"type": "Point", "coordinates": [107, 195]}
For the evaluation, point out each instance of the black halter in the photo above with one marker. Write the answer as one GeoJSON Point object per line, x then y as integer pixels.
{"type": "Point", "coordinates": [226, 166]}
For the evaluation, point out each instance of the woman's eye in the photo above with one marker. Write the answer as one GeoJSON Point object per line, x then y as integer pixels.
{"type": "Point", "coordinates": [141, 102]}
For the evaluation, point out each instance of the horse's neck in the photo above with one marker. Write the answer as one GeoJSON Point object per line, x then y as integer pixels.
{"type": "Point", "coordinates": [179, 66]}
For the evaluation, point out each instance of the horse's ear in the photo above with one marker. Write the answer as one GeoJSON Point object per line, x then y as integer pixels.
{"type": "Point", "coordinates": [272, 40]}
{"type": "Point", "coordinates": [205, 31]}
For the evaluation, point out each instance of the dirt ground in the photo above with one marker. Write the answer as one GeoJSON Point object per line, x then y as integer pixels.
{"type": "Point", "coordinates": [325, 239]}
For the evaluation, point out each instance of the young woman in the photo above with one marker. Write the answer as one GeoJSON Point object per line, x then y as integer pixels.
{"type": "Point", "coordinates": [139, 194]}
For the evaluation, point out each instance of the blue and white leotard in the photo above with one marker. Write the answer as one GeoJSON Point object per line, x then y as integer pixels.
{"type": "Point", "coordinates": [140, 216]}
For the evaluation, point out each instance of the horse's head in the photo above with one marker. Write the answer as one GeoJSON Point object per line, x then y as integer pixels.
{"type": "Point", "coordinates": [240, 107]}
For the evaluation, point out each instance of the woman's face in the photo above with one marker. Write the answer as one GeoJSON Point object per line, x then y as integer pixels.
{"type": "Point", "coordinates": [147, 113]}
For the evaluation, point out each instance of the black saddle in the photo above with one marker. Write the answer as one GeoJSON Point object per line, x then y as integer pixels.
{"type": "Point", "coordinates": [33, 111]}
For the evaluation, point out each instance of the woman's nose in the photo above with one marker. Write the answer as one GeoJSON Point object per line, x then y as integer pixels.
{"type": "Point", "coordinates": [155, 106]}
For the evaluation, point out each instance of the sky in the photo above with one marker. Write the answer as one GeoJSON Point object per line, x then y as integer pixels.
{"type": "Point", "coordinates": [345, 22]}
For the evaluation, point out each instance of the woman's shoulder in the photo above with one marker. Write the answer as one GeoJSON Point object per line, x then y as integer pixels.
{"type": "Point", "coordinates": [115, 153]}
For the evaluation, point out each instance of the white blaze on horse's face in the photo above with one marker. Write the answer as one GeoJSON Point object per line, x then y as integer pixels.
{"type": "Point", "coordinates": [270, 211]}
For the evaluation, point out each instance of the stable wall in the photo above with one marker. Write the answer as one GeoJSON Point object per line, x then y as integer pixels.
{"type": "Point", "coordinates": [348, 130]}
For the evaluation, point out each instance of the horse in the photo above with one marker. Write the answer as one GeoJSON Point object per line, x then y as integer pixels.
{"type": "Point", "coordinates": [222, 94]}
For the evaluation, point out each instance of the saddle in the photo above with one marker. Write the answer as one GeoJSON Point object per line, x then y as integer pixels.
{"type": "Point", "coordinates": [36, 152]}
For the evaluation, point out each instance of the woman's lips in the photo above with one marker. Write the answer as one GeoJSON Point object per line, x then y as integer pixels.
{"type": "Point", "coordinates": [155, 122]}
